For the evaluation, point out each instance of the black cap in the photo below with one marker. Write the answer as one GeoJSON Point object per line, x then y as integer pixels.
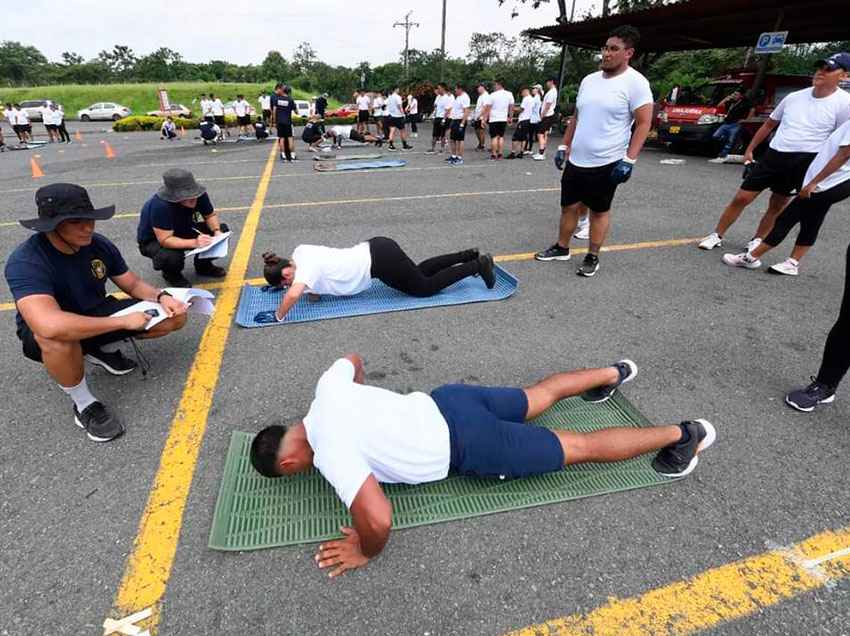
{"type": "Point", "coordinates": [59, 202]}
{"type": "Point", "coordinates": [835, 61]}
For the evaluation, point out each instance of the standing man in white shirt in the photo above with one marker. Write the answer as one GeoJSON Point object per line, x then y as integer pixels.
{"type": "Point", "coordinates": [395, 117]}
{"type": "Point", "coordinates": [266, 107]}
{"type": "Point", "coordinates": [378, 114]}
{"type": "Point", "coordinates": [363, 106]}
{"type": "Point", "coordinates": [523, 125]}
{"type": "Point", "coordinates": [599, 147]}
{"type": "Point", "coordinates": [438, 132]}
{"type": "Point", "coordinates": [459, 118]}
{"type": "Point", "coordinates": [496, 115]}
{"type": "Point", "coordinates": [11, 114]}
{"type": "Point", "coordinates": [243, 114]}
{"type": "Point", "coordinates": [206, 108]}
{"type": "Point", "coordinates": [477, 123]}
{"type": "Point", "coordinates": [49, 124]}
{"type": "Point", "coordinates": [217, 110]}
{"type": "Point", "coordinates": [803, 120]}
{"type": "Point", "coordinates": [23, 124]}
{"type": "Point", "coordinates": [534, 126]}
{"type": "Point", "coordinates": [547, 117]}
{"type": "Point", "coordinates": [412, 111]}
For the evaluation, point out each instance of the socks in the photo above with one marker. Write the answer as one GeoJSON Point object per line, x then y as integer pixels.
{"type": "Point", "coordinates": [80, 394]}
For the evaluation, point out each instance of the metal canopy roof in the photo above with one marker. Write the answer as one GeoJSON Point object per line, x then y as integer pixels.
{"type": "Point", "coordinates": [705, 24]}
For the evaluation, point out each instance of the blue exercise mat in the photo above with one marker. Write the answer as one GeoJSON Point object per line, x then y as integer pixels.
{"type": "Point", "coordinates": [333, 166]}
{"type": "Point", "coordinates": [377, 299]}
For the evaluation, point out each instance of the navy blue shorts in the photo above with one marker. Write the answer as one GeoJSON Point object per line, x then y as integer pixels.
{"type": "Point", "coordinates": [489, 437]}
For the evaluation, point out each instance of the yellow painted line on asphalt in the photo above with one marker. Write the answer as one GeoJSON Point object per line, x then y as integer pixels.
{"type": "Point", "coordinates": [726, 593]}
{"type": "Point", "coordinates": [504, 258]}
{"type": "Point", "coordinates": [148, 566]}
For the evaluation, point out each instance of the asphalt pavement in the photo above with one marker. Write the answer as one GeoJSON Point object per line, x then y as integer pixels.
{"type": "Point", "coordinates": [711, 342]}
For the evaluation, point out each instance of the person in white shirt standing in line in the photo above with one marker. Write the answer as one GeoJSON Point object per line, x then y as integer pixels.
{"type": "Point", "coordinates": [803, 120]}
{"type": "Point", "coordinates": [442, 101]}
{"type": "Point", "coordinates": [363, 106]}
{"type": "Point", "coordinates": [11, 114]}
{"type": "Point", "coordinates": [206, 108]}
{"type": "Point", "coordinates": [599, 148]}
{"type": "Point", "coordinates": [477, 124]}
{"type": "Point", "coordinates": [534, 126]}
{"type": "Point", "coordinates": [217, 110]}
{"type": "Point", "coordinates": [59, 120]}
{"type": "Point", "coordinates": [243, 114]}
{"type": "Point", "coordinates": [547, 117]}
{"type": "Point", "coordinates": [378, 114]}
{"type": "Point", "coordinates": [523, 125]}
{"type": "Point", "coordinates": [49, 126]}
{"type": "Point", "coordinates": [266, 107]}
{"type": "Point", "coordinates": [395, 118]}
{"type": "Point", "coordinates": [411, 109]}
{"type": "Point", "coordinates": [495, 115]}
{"type": "Point", "coordinates": [459, 117]}
{"type": "Point", "coordinates": [23, 124]}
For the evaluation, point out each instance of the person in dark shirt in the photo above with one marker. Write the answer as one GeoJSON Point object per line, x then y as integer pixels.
{"type": "Point", "coordinates": [179, 217]}
{"type": "Point", "coordinates": [313, 134]}
{"type": "Point", "coordinates": [738, 107]}
{"type": "Point", "coordinates": [321, 105]}
{"type": "Point", "coordinates": [282, 108]}
{"type": "Point", "coordinates": [58, 279]}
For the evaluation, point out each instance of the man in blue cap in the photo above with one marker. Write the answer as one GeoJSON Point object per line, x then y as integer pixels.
{"type": "Point", "coordinates": [58, 279]}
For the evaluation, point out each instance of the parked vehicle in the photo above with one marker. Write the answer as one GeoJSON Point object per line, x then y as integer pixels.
{"type": "Point", "coordinates": [346, 110]}
{"type": "Point", "coordinates": [175, 110]}
{"type": "Point", "coordinates": [689, 116]}
{"type": "Point", "coordinates": [104, 110]}
{"type": "Point", "coordinates": [302, 107]}
{"type": "Point", "coordinates": [34, 107]}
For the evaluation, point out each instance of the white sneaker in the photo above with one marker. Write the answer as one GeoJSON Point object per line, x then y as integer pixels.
{"type": "Point", "coordinates": [717, 160]}
{"type": "Point", "coordinates": [753, 244]}
{"type": "Point", "coordinates": [789, 267]}
{"type": "Point", "coordinates": [742, 260]}
{"type": "Point", "coordinates": [583, 231]}
{"type": "Point", "coordinates": [711, 241]}
{"type": "Point", "coordinates": [539, 157]}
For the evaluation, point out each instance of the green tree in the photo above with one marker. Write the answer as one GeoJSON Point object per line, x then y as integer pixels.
{"type": "Point", "coordinates": [72, 59]}
{"type": "Point", "coordinates": [303, 59]}
{"type": "Point", "coordinates": [121, 61]}
{"type": "Point", "coordinates": [20, 64]}
{"type": "Point", "coordinates": [274, 68]}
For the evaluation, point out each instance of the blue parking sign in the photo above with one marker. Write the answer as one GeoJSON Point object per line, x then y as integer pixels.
{"type": "Point", "coordinates": [771, 42]}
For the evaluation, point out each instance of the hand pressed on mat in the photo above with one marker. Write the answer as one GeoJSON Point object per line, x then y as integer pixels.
{"type": "Point", "coordinates": [342, 554]}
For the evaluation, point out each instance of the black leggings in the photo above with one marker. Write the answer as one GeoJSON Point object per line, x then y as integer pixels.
{"type": "Point", "coordinates": [394, 268]}
{"type": "Point", "coordinates": [809, 213]}
{"type": "Point", "coordinates": [836, 353]}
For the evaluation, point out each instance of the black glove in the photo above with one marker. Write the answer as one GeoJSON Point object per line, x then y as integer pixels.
{"type": "Point", "coordinates": [266, 317]}
{"type": "Point", "coordinates": [560, 157]}
{"type": "Point", "coordinates": [748, 169]}
{"type": "Point", "coordinates": [621, 172]}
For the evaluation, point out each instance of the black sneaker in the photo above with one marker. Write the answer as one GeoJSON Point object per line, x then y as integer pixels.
{"type": "Point", "coordinates": [808, 398]}
{"type": "Point", "coordinates": [407, 147]}
{"type": "Point", "coordinates": [210, 270]}
{"type": "Point", "coordinates": [98, 424]}
{"type": "Point", "coordinates": [680, 459]}
{"type": "Point", "coordinates": [554, 253]}
{"type": "Point", "coordinates": [113, 361]}
{"type": "Point", "coordinates": [589, 266]}
{"type": "Point", "coordinates": [176, 279]}
{"type": "Point", "coordinates": [391, 147]}
{"type": "Point", "coordinates": [486, 270]}
{"type": "Point", "coordinates": [627, 369]}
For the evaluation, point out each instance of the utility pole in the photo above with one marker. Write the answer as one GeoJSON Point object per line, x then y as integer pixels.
{"type": "Point", "coordinates": [443, 46]}
{"type": "Point", "coordinates": [407, 24]}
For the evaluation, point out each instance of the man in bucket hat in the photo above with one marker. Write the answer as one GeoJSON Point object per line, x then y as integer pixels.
{"type": "Point", "coordinates": [58, 279]}
{"type": "Point", "coordinates": [179, 217]}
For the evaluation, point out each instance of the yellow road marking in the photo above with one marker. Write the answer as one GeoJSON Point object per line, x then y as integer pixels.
{"type": "Point", "coordinates": [504, 258]}
{"type": "Point", "coordinates": [149, 565]}
{"type": "Point", "coordinates": [726, 593]}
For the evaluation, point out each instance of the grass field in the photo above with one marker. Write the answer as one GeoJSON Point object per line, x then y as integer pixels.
{"type": "Point", "coordinates": [140, 98]}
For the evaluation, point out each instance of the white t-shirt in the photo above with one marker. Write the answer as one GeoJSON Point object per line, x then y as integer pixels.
{"type": "Point", "coordinates": [206, 107]}
{"type": "Point", "coordinates": [413, 105]}
{"type": "Point", "coordinates": [605, 109]}
{"type": "Point", "coordinates": [53, 117]}
{"type": "Point", "coordinates": [480, 103]}
{"type": "Point", "coordinates": [395, 107]}
{"type": "Point", "coordinates": [378, 106]}
{"type": "Point", "coordinates": [441, 104]}
{"type": "Point", "coordinates": [46, 115]}
{"type": "Point", "coordinates": [840, 138]}
{"type": "Point", "coordinates": [341, 131]}
{"type": "Point", "coordinates": [806, 121]}
{"type": "Point", "coordinates": [23, 117]}
{"type": "Point", "coordinates": [11, 116]}
{"type": "Point", "coordinates": [265, 102]}
{"type": "Point", "coordinates": [241, 108]}
{"type": "Point", "coordinates": [357, 430]}
{"type": "Point", "coordinates": [217, 107]}
{"type": "Point", "coordinates": [527, 106]}
{"type": "Point", "coordinates": [333, 271]}
{"type": "Point", "coordinates": [550, 98]}
{"type": "Point", "coordinates": [535, 109]}
{"type": "Point", "coordinates": [502, 102]}
{"type": "Point", "coordinates": [461, 102]}
{"type": "Point", "coordinates": [363, 102]}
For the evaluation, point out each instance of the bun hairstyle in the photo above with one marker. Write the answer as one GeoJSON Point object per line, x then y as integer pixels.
{"type": "Point", "coordinates": [273, 268]}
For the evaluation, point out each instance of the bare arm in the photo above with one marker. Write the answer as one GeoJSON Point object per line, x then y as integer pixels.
{"type": "Point", "coordinates": [289, 299]}
{"type": "Point", "coordinates": [761, 134]}
{"type": "Point", "coordinates": [132, 285]}
{"type": "Point", "coordinates": [43, 315]}
{"type": "Point", "coordinates": [485, 113]}
{"type": "Point", "coordinates": [570, 131]}
{"type": "Point", "coordinates": [372, 514]}
{"type": "Point", "coordinates": [643, 121]}
{"type": "Point", "coordinates": [167, 239]}
{"type": "Point", "coordinates": [213, 223]}
{"type": "Point", "coordinates": [841, 157]}
{"type": "Point", "coordinates": [465, 116]}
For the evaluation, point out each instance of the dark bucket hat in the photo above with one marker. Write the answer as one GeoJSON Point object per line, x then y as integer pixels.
{"type": "Point", "coordinates": [59, 202]}
{"type": "Point", "coordinates": [179, 185]}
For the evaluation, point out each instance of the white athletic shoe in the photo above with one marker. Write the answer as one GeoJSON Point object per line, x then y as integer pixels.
{"type": "Point", "coordinates": [539, 157]}
{"type": "Point", "coordinates": [711, 241]}
{"type": "Point", "coordinates": [742, 260]}
{"type": "Point", "coordinates": [717, 160]}
{"type": "Point", "coordinates": [789, 267]}
{"type": "Point", "coordinates": [753, 244]}
{"type": "Point", "coordinates": [583, 229]}
{"type": "Point", "coordinates": [526, 153]}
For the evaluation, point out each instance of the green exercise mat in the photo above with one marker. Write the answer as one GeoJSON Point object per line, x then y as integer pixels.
{"type": "Point", "coordinates": [254, 512]}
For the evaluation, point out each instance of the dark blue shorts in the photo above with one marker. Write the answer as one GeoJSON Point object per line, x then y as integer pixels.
{"type": "Point", "coordinates": [489, 437]}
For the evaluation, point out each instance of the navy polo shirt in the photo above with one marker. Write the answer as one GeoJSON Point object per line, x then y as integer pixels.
{"type": "Point", "coordinates": [166, 215]}
{"type": "Point", "coordinates": [283, 105]}
{"type": "Point", "coordinates": [76, 281]}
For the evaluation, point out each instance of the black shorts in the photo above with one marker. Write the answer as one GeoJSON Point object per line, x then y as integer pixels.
{"type": "Point", "coordinates": [458, 132]}
{"type": "Point", "coordinates": [108, 307]}
{"type": "Point", "coordinates": [415, 118]}
{"type": "Point", "coordinates": [396, 122]}
{"type": "Point", "coordinates": [244, 120]}
{"type": "Point", "coordinates": [522, 131]}
{"type": "Point", "coordinates": [546, 124]}
{"type": "Point", "coordinates": [51, 126]}
{"type": "Point", "coordinates": [219, 120]}
{"type": "Point", "coordinates": [363, 116]}
{"type": "Point", "coordinates": [267, 114]}
{"type": "Point", "coordinates": [591, 186]}
{"type": "Point", "coordinates": [476, 123]}
{"type": "Point", "coordinates": [439, 128]}
{"type": "Point", "coordinates": [16, 128]}
{"type": "Point", "coordinates": [497, 128]}
{"type": "Point", "coordinates": [284, 130]}
{"type": "Point", "coordinates": [782, 172]}
{"type": "Point", "coordinates": [356, 136]}
{"type": "Point", "coordinates": [209, 118]}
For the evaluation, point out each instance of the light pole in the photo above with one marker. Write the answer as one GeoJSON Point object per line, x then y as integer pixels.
{"type": "Point", "coordinates": [407, 24]}
{"type": "Point", "coordinates": [443, 45]}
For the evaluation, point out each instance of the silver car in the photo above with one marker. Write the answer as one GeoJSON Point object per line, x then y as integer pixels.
{"type": "Point", "coordinates": [35, 107]}
{"type": "Point", "coordinates": [104, 110]}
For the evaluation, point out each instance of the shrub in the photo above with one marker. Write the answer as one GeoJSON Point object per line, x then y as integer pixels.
{"type": "Point", "coordinates": [136, 123]}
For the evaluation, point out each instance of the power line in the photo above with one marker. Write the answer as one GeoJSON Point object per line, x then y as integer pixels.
{"type": "Point", "coordinates": [407, 24]}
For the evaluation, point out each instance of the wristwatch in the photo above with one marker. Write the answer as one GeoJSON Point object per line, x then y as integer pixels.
{"type": "Point", "coordinates": [161, 293]}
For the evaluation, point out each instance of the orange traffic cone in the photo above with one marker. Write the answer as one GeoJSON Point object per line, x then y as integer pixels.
{"type": "Point", "coordinates": [37, 172]}
{"type": "Point", "coordinates": [78, 136]}
{"type": "Point", "coordinates": [110, 154]}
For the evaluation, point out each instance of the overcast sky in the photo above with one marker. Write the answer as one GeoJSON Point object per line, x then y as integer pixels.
{"type": "Point", "coordinates": [244, 31]}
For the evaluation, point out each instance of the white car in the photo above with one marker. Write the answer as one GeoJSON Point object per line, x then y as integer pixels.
{"type": "Point", "coordinates": [104, 110]}
{"type": "Point", "coordinates": [35, 107]}
{"type": "Point", "coordinates": [302, 107]}
{"type": "Point", "coordinates": [175, 110]}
